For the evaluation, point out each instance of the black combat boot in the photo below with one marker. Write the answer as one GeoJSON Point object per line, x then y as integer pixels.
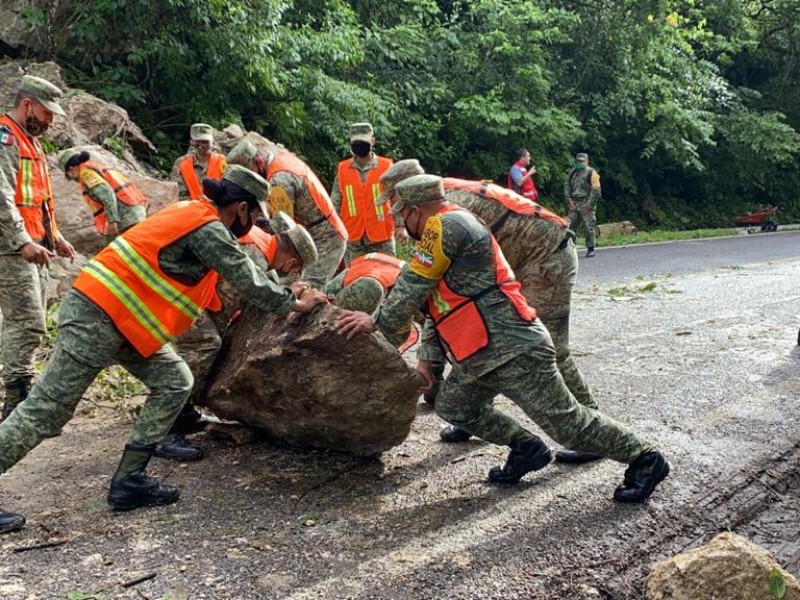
{"type": "Point", "coordinates": [574, 457]}
{"type": "Point", "coordinates": [438, 378]}
{"type": "Point", "coordinates": [527, 456]}
{"type": "Point", "coordinates": [190, 420]}
{"type": "Point", "coordinates": [10, 522]}
{"type": "Point", "coordinates": [16, 393]}
{"type": "Point", "coordinates": [590, 252]}
{"type": "Point", "coordinates": [641, 477]}
{"type": "Point", "coordinates": [450, 434]}
{"type": "Point", "coordinates": [131, 488]}
{"type": "Point", "coordinates": [176, 447]}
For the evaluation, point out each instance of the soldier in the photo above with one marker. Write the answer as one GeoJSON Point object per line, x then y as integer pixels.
{"type": "Point", "coordinates": [582, 193]}
{"type": "Point", "coordinates": [28, 232]}
{"type": "Point", "coordinates": [286, 253]}
{"type": "Point", "coordinates": [200, 163]}
{"type": "Point", "coordinates": [370, 226]}
{"type": "Point", "coordinates": [538, 246]}
{"type": "Point", "coordinates": [116, 203]}
{"type": "Point", "coordinates": [363, 287]}
{"type": "Point", "coordinates": [134, 297]}
{"type": "Point", "coordinates": [297, 192]}
{"type": "Point", "coordinates": [477, 314]}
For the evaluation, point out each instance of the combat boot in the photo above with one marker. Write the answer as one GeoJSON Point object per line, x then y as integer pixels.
{"type": "Point", "coordinates": [16, 393]}
{"type": "Point", "coordinates": [574, 457]}
{"type": "Point", "coordinates": [450, 434]}
{"type": "Point", "coordinates": [641, 477]}
{"type": "Point", "coordinates": [525, 456]}
{"type": "Point", "coordinates": [10, 522]}
{"type": "Point", "coordinates": [590, 252]}
{"type": "Point", "coordinates": [190, 420]}
{"type": "Point", "coordinates": [176, 447]}
{"type": "Point", "coordinates": [131, 488]}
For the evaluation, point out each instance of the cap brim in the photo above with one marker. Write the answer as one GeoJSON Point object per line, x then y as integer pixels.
{"type": "Point", "coordinates": [53, 107]}
{"type": "Point", "coordinates": [264, 208]}
{"type": "Point", "coordinates": [397, 207]}
{"type": "Point", "coordinates": [361, 137]}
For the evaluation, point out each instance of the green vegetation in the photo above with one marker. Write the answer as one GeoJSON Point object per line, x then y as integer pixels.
{"type": "Point", "coordinates": [657, 235]}
{"type": "Point", "coordinates": [687, 107]}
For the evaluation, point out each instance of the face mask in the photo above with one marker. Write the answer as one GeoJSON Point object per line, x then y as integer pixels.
{"type": "Point", "coordinates": [361, 149]}
{"type": "Point", "coordinates": [411, 232]}
{"type": "Point", "coordinates": [579, 166]}
{"type": "Point", "coordinates": [34, 126]}
{"type": "Point", "coordinates": [240, 229]}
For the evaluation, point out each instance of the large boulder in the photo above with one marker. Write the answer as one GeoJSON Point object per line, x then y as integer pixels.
{"type": "Point", "coordinates": [727, 568]}
{"type": "Point", "coordinates": [11, 73]}
{"type": "Point", "coordinates": [17, 35]}
{"type": "Point", "coordinates": [616, 229]}
{"type": "Point", "coordinates": [72, 214]}
{"type": "Point", "coordinates": [308, 386]}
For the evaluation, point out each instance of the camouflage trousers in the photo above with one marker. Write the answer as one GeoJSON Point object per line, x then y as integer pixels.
{"type": "Point", "coordinates": [548, 287]}
{"type": "Point", "coordinates": [88, 342]}
{"type": "Point", "coordinates": [331, 249]}
{"type": "Point", "coordinates": [364, 246]}
{"type": "Point", "coordinates": [199, 347]}
{"type": "Point", "coordinates": [584, 213]}
{"type": "Point", "coordinates": [23, 289]}
{"type": "Point", "coordinates": [533, 382]}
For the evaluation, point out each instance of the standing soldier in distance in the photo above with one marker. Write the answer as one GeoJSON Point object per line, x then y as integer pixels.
{"type": "Point", "coordinates": [116, 203]}
{"type": "Point", "coordinates": [28, 232]}
{"type": "Point", "coordinates": [370, 226]}
{"type": "Point", "coordinates": [477, 315]}
{"type": "Point", "coordinates": [582, 193]}
{"type": "Point", "coordinates": [297, 192]}
{"type": "Point", "coordinates": [200, 163]}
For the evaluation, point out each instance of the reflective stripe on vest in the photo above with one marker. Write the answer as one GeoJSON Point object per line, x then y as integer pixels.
{"type": "Point", "coordinates": [33, 194]}
{"type": "Point", "coordinates": [359, 213]}
{"type": "Point", "coordinates": [125, 191]}
{"type": "Point", "coordinates": [289, 163]}
{"type": "Point", "coordinates": [149, 307]}
{"type": "Point", "coordinates": [508, 198]}
{"type": "Point", "coordinates": [267, 243]}
{"type": "Point", "coordinates": [458, 320]}
{"type": "Point", "coordinates": [381, 267]}
{"type": "Point", "coordinates": [213, 171]}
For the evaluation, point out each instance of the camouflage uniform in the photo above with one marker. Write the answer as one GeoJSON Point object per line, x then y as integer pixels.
{"type": "Point", "coordinates": [124, 215]}
{"type": "Point", "coordinates": [582, 186]}
{"type": "Point", "coordinates": [88, 342]}
{"type": "Point", "coordinates": [519, 360]}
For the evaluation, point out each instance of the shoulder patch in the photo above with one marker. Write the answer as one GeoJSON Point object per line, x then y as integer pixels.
{"type": "Point", "coordinates": [6, 137]}
{"type": "Point", "coordinates": [595, 181]}
{"type": "Point", "coordinates": [279, 202]}
{"type": "Point", "coordinates": [428, 259]}
{"type": "Point", "coordinates": [90, 179]}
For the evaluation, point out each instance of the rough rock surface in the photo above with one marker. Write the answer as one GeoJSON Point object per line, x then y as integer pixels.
{"type": "Point", "coordinates": [727, 568]}
{"type": "Point", "coordinates": [11, 73]}
{"type": "Point", "coordinates": [72, 215]}
{"type": "Point", "coordinates": [307, 386]}
{"type": "Point", "coordinates": [15, 35]}
{"type": "Point", "coordinates": [619, 228]}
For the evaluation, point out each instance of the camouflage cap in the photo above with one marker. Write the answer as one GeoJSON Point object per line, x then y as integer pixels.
{"type": "Point", "coordinates": [361, 132]}
{"type": "Point", "coordinates": [242, 154]}
{"type": "Point", "coordinates": [250, 182]}
{"type": "Point", "coordinates": [45, 92]}
{"type": "Point", "coordinates": [582, 157]}
{"type": "Point", "coordinates": [301, 240]}
{"type": "Point", "coordinates": [419, 189]}
{"type": "Point", "coordinates": [365, 294]}
{"type": "Point", "coordinates": [402, 169]}
{"type": "Point", "coordinates": [201, 132]}
{"type": "Point", "coordinates": [65, 157]}
{"type": "Point", "coordinates": [282, 222]}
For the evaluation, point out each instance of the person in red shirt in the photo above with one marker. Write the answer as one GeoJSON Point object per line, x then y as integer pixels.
{"type": "Point", "coordinates": [520, 177]}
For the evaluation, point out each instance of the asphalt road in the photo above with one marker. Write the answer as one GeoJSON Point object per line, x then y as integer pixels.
{"type": "Point", "coordinates": [690, 256]}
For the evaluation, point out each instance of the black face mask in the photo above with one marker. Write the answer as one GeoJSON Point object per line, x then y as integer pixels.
{"type": "Point", "coordinates": [34, 126]}
{"type": "Point", "coordinates": [411, 233]}
{"type": "Point", "coordinates": [361, 149]}
{"type": "Point", "coordinates": [240, 229]}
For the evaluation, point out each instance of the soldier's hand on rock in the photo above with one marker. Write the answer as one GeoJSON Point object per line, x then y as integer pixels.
{"type": "Point", "coordinates": [308, 300]}
{"type": "Point", "coordinates": [425, 369]}
{"type": "Point", "coordinates": [299, 288]}
{"type": "Point", "coordinates": [350, 323]}
{"type": "Point", "coordinates": [36, 254]}
{"type": "Point", "coordinates": [65, 249]}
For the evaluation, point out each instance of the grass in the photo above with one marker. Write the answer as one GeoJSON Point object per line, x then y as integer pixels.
{"type": "Point", "coordinates": [646, 237]}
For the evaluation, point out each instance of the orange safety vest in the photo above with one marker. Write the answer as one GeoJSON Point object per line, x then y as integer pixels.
{"type": "Point", "coordinates": [267, 243]}
{"type": "Point", "coordinates": [149, 307]}
{"type": "Point", "coordinates": [291, 164]}
{"type": "Point", "coordinates": [458, 320]}
{"type": "Point", "coordinates": [382, 267]}
{"type": "Point", "coordinates": [32, 193]}
{"type": "Point", "coordinates": [359, 213]}
{"type": "Point", "coordinates": [216, 162]}
{"type": "Point", "coordinates": [508, 198]}
{"type": "Point", "coordinates": [125, 191]}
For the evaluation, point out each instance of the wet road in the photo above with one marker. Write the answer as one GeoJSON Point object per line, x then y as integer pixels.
{"type": "Point", "coordinates": [678, 258]}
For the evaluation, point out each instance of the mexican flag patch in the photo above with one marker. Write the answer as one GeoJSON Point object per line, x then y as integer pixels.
{"type": "Point", "coordinates": [6, 138]}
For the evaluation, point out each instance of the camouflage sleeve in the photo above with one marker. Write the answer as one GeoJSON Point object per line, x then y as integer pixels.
{"type": "Point", "coordinates": [430, 259]}
{"type": "Point", "coordinates": [429, 348]}
{"type": "Point", "coordinates": [330, 247]}
{"type": "Point", "coordinates": [12, 228]}
{"type": "Point", "coordinates": [175, 175]}
{"type": "Point", "coordinates": [336, 195]}
{"type": "Point", "coordinates": [567, 190]}
{"type": "Point", "coordinates": [216, 247]}
{"type": "Point", "coordinates": [596, 192]}
{"type": "Point", "coordinates": [102, 193]}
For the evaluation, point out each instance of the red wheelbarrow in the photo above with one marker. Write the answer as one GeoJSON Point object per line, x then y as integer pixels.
{"type": "Point", "coordinates": [762, 217]}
